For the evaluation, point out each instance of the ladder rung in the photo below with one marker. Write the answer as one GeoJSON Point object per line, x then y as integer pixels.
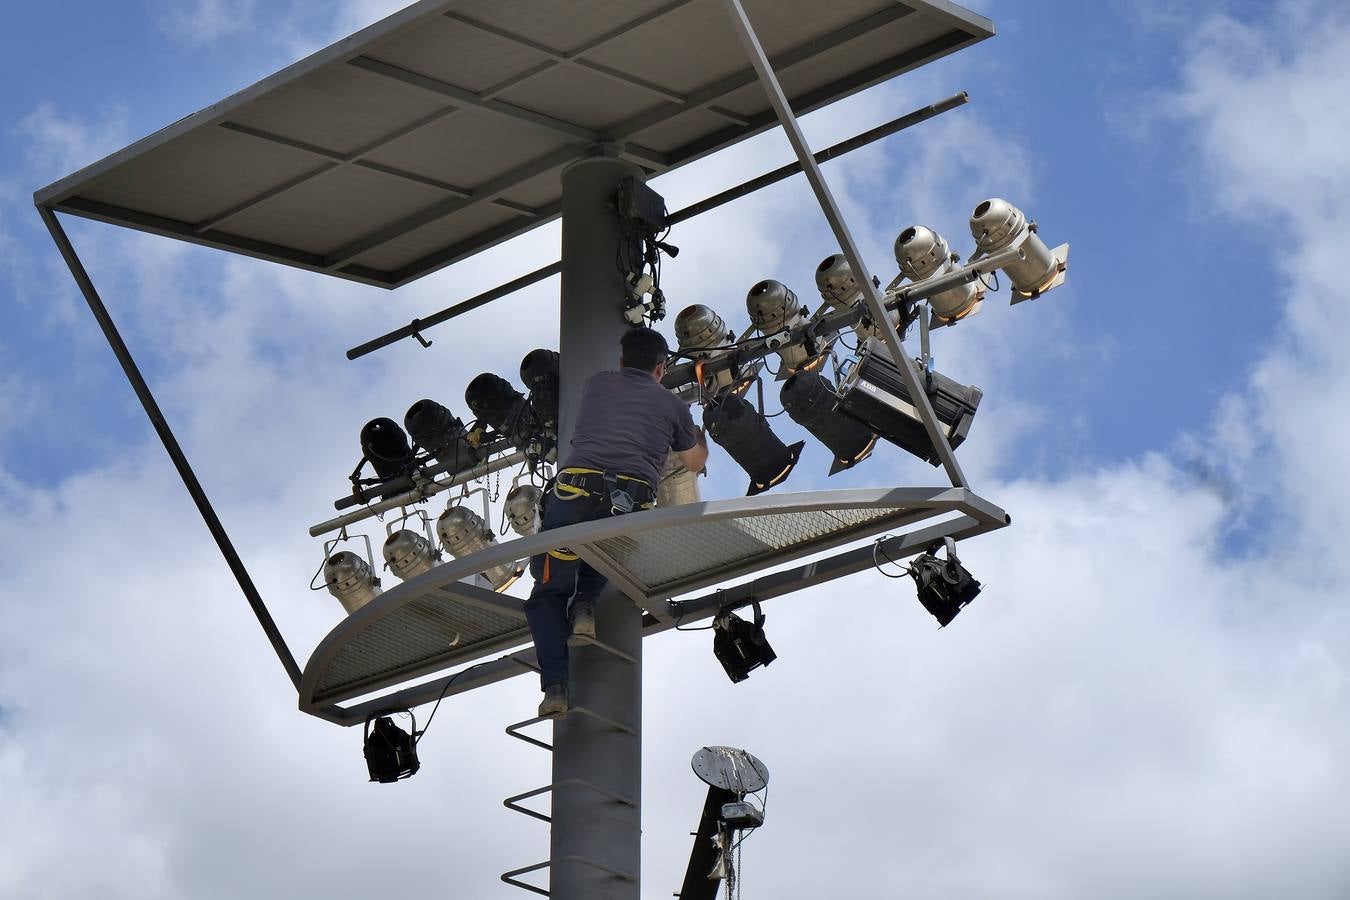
{"type": "Point", "coordinates": [510, 877]}
{"type": "Point", "coordinates": [515, 729]}
{"type": "Point", "coordinates": [577, 640]}
{"type": "Point", "coordinates": [513, 804]}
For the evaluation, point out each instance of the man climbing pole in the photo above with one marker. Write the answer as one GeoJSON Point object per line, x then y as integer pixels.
{"type": "Point", "coordinates": [626, 426]}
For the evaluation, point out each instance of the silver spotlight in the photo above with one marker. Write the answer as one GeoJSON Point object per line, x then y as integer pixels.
{"type": "Point", "coordinates": [677, 485]}
{"type": "Point", "coordinates": [922, 254]}
{"type": "Point", "coordinates": [408, 554]}
{"type": "Point", "coordinates": [351, 580]}
{"type": "Point", "coordinates": [997, 225]}
{"type": "Point", "coordinates": [702, 334]}
{"type": "Point", "coordinates": [522, 509]}
{"type": "Point", "coordinates": [840, 290]}
{"type": "Point", "coordinates": [775, 311]}
{"type": "Point", "coordinates": [462, 532]}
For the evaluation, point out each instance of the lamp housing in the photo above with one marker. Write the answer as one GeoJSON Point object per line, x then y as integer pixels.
{"type": "Point", "coordinates": [945, 586]}
{"type": "Point", "coordinates": [441, 433]}
{"type": "Point", "coordinates": [775, 311]}
{"type": "Point", "coordinates": [391, 752]}
{"type": "Point", "coordinates": [385, 444]}
{"type": "Point", "coordinates": [463, 532]}
{"type": "Point", "coordinates": [409, 554]}
{"type": "Point", "coordinates": [702, 334]}
{"type": "Point", "coordinates": [495, 401]}
{"type": "Point", "coordinates": [351, 579]}
{"type": "Point", "coordinates": [522, 509]}
{"type": "Point", "coordinates": [539, 372]}
{"type": "Point", "coordinates": [741, 646]}
{"type": "Point", "coordinates": [811, 402]}
{"type": "Point", "coordinates": [874, 393]}
{"type": "Point", "coordinates": [741, 430]}
{"type": "Point", "coordinates": [996, 225]}
{"type": "Point", "coordinates": [922, 254]}
{"type": "Point", "coordinates": [840, 291]}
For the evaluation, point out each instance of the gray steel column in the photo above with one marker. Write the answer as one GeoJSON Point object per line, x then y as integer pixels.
{"type": "Point", "coordinates": [588, 825]}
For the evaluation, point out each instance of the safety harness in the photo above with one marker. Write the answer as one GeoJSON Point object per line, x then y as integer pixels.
{"type": "Point", "coordinates": [623, 493]}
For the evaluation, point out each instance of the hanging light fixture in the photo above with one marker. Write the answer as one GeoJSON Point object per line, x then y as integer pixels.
{"type": "Point", "coordinates": [874, 393]}
{"type": "Point", "coordinates": [350, 579]}
{"type": "Point", "coordinates": [775, 311]}
{"type": "Point", "coordinates": [441, 433]}
{"type": "Point", "coordinates": [386, 447]}
{"type": "Point", "coordinates": [677, 484]}
{"type": "Point", "coordinates": [495, 401]}
{"type": "Point", "coordinates": [702, 334]}
{"type": "Point", "coordinates": [744, 433]}
{"type": "Point", "coordinates": [539, 373]}
{"type": "Point", "coordinates": [997, 224]}
{"type": "Point", "coordinates": [407, 553]}
{"type": "Point", "coordinates": [811, 402]}
{"type": "Point", "coordinates": [945, 586]}
{"type": "Point", "coordinates": [741, 646]}
{"type": "Point", "coordinates": [462, 532]}
{"type": "Point", "coordinates": [840, 290]}
{"type": "Point", "coordinates": [923, 254]}
{"type": "Point", "coordinates": [522, 509]}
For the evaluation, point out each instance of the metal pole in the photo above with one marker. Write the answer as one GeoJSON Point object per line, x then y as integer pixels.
{"type": "Point", "coordinates": [170, 442]}
{"type": "Point", "coordinates": [828, 206]}
{"type": "Point", "coordinates": [586, 824]}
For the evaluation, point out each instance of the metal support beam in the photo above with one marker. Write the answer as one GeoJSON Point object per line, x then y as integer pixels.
{"type": "Point", "coordinates": [886, 129]}
{"type": "Point", "coordinates": [166, 436]}
{"type": "Point", "coordinates": [741, 23]}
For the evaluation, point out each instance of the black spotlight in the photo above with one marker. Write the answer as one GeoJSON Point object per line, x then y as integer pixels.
{"type": "Point", "coordinates": [744, 433]}
{"type": "Point", "coordinates": [810, 401]}
{"type": "Point", "coordinates": [874, 393]}
{"type": "Point", "coordinates": [386, 446]}
{"type": "Point", "coordinates": [391, 752]}
{"type": "Point", "coordinates": [539, 372]}
{"type": "Point", "coordinates": [494, 401]}
{"type": "Point", "coordinates": [945, 586]}
{"type": "Point", "coordinates": [439, 432]}
{"type": "Point", "coordinates": [741, 646]}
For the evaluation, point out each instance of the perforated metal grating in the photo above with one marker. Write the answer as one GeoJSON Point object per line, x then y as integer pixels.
{"type": "Point", "coordinates": [432, 627]}
{"type": "Point", "coordinates": [661, 560]}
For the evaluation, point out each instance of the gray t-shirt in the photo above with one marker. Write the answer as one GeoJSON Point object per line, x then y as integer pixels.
{"type": "Point", "coordinates": [627, 424]}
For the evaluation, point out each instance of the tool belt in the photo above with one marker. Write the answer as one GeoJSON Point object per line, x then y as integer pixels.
{"type": "Point", "coordinates": [624, 493]}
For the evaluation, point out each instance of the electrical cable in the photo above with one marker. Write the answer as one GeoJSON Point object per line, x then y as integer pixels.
{"type": "Point", "coordinates": [994, 289]}
{"type": "Point", "coordinates": [876, 547]}
{"type": "Point", "coordinates": [449, 681]}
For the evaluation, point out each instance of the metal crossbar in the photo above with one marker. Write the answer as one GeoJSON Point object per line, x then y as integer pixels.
{"type": "Point", "coordinates": [509, 877]}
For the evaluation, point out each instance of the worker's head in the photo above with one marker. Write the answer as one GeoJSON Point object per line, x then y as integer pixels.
{"type": "Point", "coordinates": [645, 349]}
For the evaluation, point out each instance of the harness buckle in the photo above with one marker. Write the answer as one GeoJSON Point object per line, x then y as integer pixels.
{"type": "Point", "coordinates": [621, 502]}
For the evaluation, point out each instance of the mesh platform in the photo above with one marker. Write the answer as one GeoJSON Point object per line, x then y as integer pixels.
{"type": "Point", "coordinates": [437, 621]}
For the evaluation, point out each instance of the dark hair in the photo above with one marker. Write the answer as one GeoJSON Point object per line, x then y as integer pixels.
{"type": "Point", "coordinates": [643, 348]}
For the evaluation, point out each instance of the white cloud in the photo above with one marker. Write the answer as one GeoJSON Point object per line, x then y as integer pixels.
{"type": "Point", "coordinates": [1128, 709]}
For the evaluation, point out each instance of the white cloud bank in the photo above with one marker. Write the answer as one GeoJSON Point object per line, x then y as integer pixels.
{"type": "Point", "coordinates": [1129, 710]}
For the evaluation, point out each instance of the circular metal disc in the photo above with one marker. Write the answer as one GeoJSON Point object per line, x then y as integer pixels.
{"type": "Point", "coordinates": [730, 769]}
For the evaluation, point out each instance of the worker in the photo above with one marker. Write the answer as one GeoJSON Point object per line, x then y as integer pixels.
{"type": "Point", "coordinates": [625, 428]}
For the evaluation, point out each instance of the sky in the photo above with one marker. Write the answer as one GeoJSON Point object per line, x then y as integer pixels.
{"type": "Point", "coordinates": [1148, 699]}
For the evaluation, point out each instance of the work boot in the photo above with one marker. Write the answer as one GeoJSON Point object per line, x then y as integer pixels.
{"type": "Point", "coordinates": [555, 700]}
{"type": "Point", "coordinates": [583, 622]}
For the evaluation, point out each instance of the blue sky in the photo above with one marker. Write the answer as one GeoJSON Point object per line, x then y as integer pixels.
{"type": "Point", "coordinates": [1148, 699]}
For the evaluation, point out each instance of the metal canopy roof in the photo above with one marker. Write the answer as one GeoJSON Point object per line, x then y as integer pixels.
{"type": "Point", "coordinates": [441, 130]}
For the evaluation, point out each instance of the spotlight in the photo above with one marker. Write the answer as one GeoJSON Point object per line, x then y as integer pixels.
{"type": "Point", "coordinates": [436, 430]}
{"type": "Point", "coordinates": [744, 433]}
{"type": "Point", "coordinates": [945, 586]}
{"type": "Point", "coordinates": [351, 580]}
{"type": "Point", "coordinates": [840, 290]}
{"type": "Point", "coordinates": [741, 646]}
{"type": "Point", "coordinates": [810, 401]}
{"type": "Point", "coordinates": [874, 393]}
{"type": "Point", "coordinates": [996, 225]}
{"type": "Point", "coordinates": [539, 373]}
{"type": "Point", "coordinates": [774, 311]}
{"type": "Point", "coordinates": [408, 554]}
{"type": "Point", "coordinates": [385, 445]}
{"type": "Point", "coordinates": [494, 401]}
{"type": "Point", "coordinates": [522, 509]}
{"type": "Point", "coordinates": [462, 532]}
{"type": "Point", "coordinates": [677, 485]}
{"type": "Point", "coordinates": [702, 334]}
{"type": "Point", "coordinates": [391, 752]}
{"type": "Point", "coordinates": [922, 254]}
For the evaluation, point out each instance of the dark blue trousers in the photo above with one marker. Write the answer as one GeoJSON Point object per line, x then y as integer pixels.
{"type": "Point", "coordinates": [569, 583]}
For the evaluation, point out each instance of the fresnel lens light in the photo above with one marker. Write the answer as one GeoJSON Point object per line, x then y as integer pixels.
{"type": "Point", "coordinates": [462, 532]}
